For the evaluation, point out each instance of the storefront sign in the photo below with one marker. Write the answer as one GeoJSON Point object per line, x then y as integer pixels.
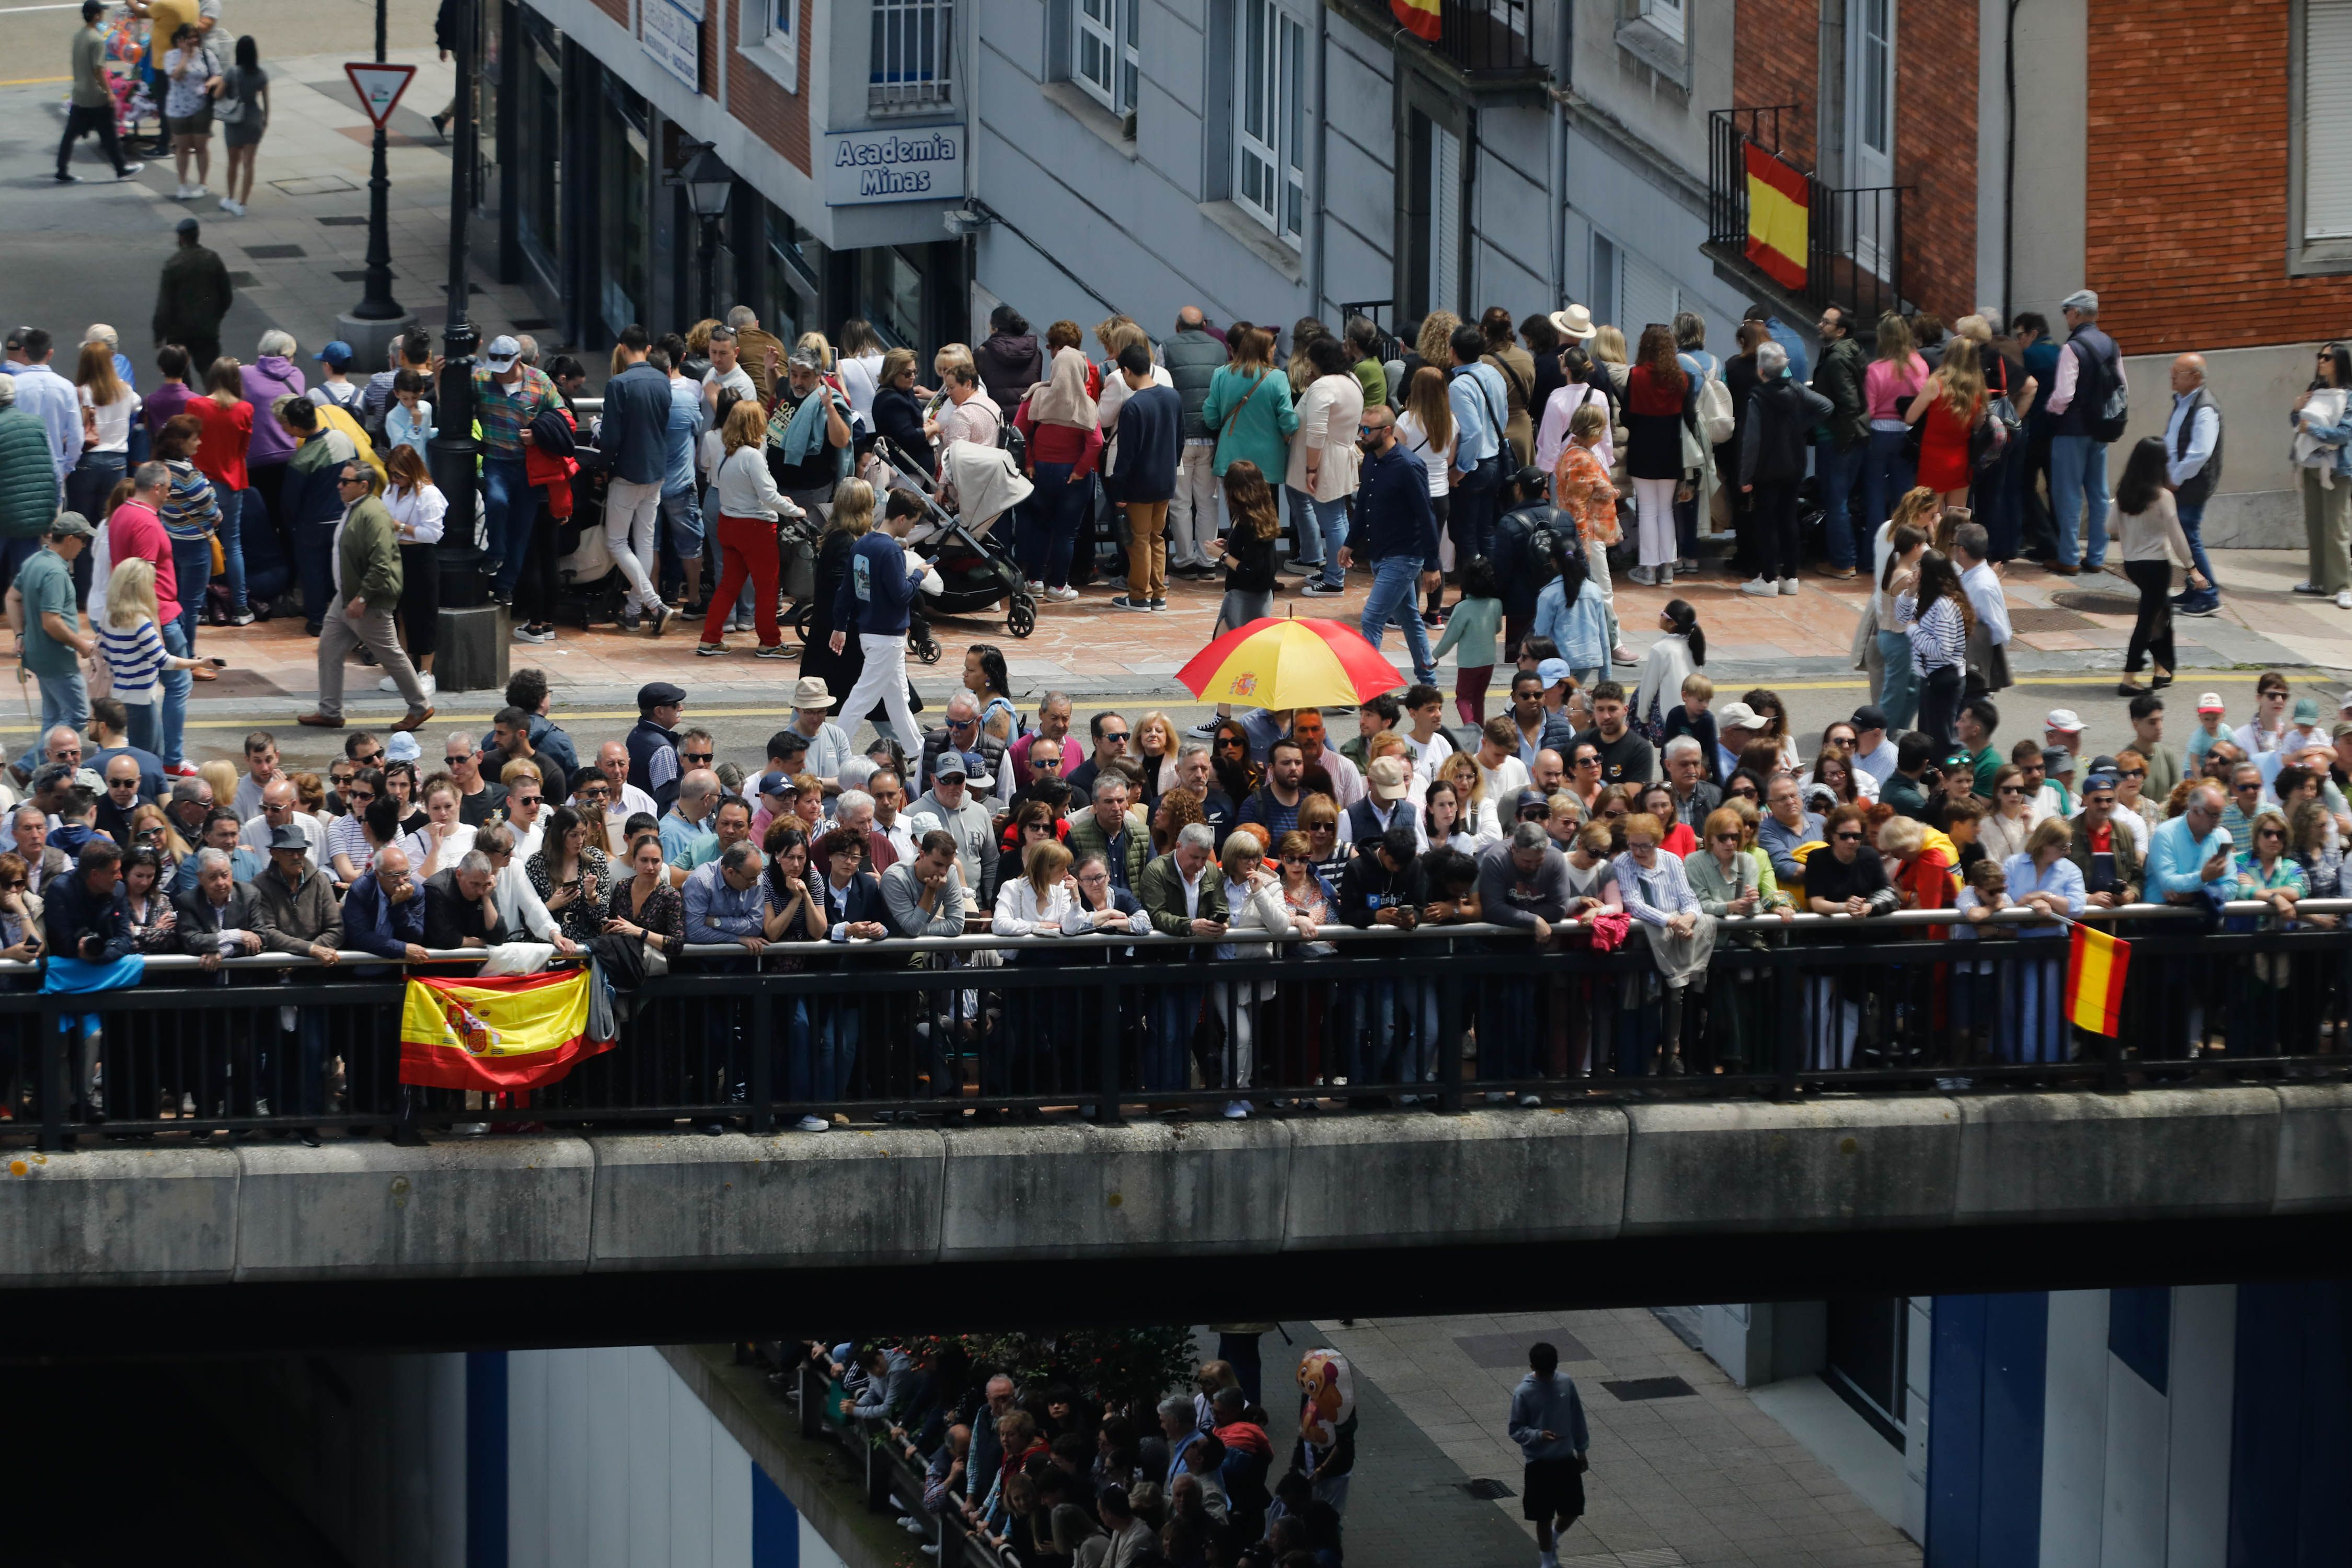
{"type": "Point", "coordinates": [922, 163]}
{"type": "Point", "coordinates": [672, 37]}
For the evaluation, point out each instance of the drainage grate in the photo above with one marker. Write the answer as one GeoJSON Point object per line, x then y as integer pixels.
{"type": "Point", "coordinates": [315, 185]}
{"type": "Point", "coordinates": [355, 274]}
{"type": "Point", "coordinates": [346, 220]}
{"type": "Point", "coordinates": [2090, 602]}
{"type": "Point", "coordinates": [274, 252]}
{"type": "Point", "coordinates": [1487, 1489]}
{"type": "Point", "coordinates": [1631, 1389]}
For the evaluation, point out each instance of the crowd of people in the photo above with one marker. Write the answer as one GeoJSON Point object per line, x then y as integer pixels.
{"type": "Point", "coordinates": [1050, 1471]}
{"type": "Point", "coordinates": [1572, 819]}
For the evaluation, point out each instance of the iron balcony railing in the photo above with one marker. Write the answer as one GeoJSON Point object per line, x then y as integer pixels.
{"type": "Point", "coordinates": [1853, 251]}
{"type": "Point", "coordinates": [946, 1029]}
{"type": "Point", "coordinates": [910, 66]}
{"type": "Point", "coordinates": [1488, 38]}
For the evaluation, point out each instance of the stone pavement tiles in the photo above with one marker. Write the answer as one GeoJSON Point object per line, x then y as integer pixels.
{"type": "Point", "coordinates": [1701, 1479]}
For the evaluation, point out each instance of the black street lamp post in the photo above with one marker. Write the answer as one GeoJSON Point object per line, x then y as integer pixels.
{"type": "Point", "coordinates": [709, 184]}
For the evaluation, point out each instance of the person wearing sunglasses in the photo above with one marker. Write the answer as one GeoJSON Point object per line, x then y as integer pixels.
{"type": "Point", "coordinates": [2041, 877]}
{"type": "Point", "coordinates": [1842, 878]}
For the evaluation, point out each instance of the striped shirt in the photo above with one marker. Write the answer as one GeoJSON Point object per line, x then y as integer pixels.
{"type": "Point", "coordinates": [504, 412]}
{"type": "Point", "coordinates": [135, 655]}
{"type": "Point", "coordinates": [190, 510]}
{"type": "Point", "coordinates": [1938, 638]}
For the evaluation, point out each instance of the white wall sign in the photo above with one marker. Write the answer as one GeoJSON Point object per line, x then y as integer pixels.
{"type": "Point", "coordinates": [673, 37]}
{"type": "Point", "coordinates": [920, 164]}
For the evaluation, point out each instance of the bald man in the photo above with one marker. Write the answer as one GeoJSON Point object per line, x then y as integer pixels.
{"type": "Point", "coordinates": [2192, 451]}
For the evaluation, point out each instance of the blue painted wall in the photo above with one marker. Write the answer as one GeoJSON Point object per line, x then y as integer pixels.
{"type": "Point", "coordinates": [2290, 1429]}
{"type": "Point", "coordinates": [486, 1453]}
{"type": "Point", "coordinates": [1984, 1451]}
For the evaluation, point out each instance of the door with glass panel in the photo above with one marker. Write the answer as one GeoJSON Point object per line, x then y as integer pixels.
{"type": "Point", "coordinates": [1865, 225]}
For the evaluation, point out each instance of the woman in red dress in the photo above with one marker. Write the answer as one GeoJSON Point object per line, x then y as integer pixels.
{"type": "Point", "coordinates": [1951, 402]}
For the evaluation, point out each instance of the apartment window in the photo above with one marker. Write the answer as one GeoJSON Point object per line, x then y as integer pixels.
{"type": "Point", "coordinates": [2319, 202]}
{"type": "Point", "coordinates": [1600, 287]}
{"type": "Point", "coordinates": [1665, 16]}
{"type": "Point", "coordinates": [772, 36]}
{"type": "Point", "coordinates": [1657, 34]}
{"type": "Point", "coordinates": [1109, 63]}
{"type": "Point", "coordinates": [1271, 184]}
{"type": "Point", "coordinates": [912, 41]}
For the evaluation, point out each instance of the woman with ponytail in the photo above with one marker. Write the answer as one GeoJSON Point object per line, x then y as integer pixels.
{"type": "Point", "coordinates": [1669, 662]}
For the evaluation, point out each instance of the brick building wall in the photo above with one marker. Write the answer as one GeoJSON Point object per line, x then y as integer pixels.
{"type": "Point", "coordinates": [1935, 151]}
{"type": "Point", "coordinates": [780, 118]}
{"type": "Point", "coordinates": [1775, 59]}
{"type": "Point", "coordinates": [616, 9]}
{"type": "Point", "coordinates": [2185, 234]}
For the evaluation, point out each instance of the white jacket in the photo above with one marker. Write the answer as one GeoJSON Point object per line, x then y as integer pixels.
{"type": "Point", "coordinates": [1020, 913]}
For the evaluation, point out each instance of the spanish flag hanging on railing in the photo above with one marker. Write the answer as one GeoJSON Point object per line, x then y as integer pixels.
{"type": "Point", "coordinates": [2095, 965]}
{"type": "Point", "coordinates": [1421, 18]}
{"type": "Point", "coordinates": [1778, 216]}
{"type": "Point", "coordinates": [508, 1033]}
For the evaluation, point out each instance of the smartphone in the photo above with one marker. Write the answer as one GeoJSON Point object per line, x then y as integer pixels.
{"type": "Point", "coordinates": [217, 663]}
{"type": "Point", "coordinates": [2221, 837]}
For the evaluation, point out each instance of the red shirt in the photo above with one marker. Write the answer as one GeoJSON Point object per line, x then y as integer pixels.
{"type": "Point", "coordinates": [135, 533]}
{"type": "Point", "coordinates": [228, 432]}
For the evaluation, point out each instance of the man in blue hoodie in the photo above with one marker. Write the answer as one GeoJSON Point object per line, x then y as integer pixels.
{"type": "Point", "coordinates": [1547, 1424]}
{"type": "Point", "coordinates": [873, 601]}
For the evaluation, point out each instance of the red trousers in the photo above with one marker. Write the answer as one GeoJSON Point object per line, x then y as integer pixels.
{"type": "Point", "coordinates": [747, 548]}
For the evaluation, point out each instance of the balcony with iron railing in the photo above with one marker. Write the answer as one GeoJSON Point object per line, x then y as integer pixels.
{"type": "Point", "coordinates": [1486, 46]}
{"type": "Point", "coordinates": [1783, 229]}
{"type": "Point", "coordinates": [910, 69]}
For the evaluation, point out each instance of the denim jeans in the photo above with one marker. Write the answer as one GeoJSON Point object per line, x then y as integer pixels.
{"type": "Point", "coordinates": [823, 1047]}
{"type": "Point", "coordinates": [1167, 1052]}
{"type": "Point", "coordinates": [1330, 520]}
{"type": "Point", "coordinates": [192, 564]}
{"type": "Point", "coordinates": [506, 490]}
{"type": "Point", "coordinates": [1392, 599]}
{"type": "Point", "coordinates": [1050, 522]}
{"type": "Point", "coordinates": [1838, 468]}
{"type": "Point", "coordinates": [91, 482]}
{"type": "Point", "coordinates": [1386, 1049]}
{"type": "Point", "coordinates": [2193, 524]}
{"type": "Point", "coordinates": [1306, 537]}
{"type": "Point", "coordinates": [1887, 476]}
{"type": "Point", "coordinates": [65, 699]}
{"type": "Point", "coordinates": [1997, 496]}
{"type": "Point", "coordinates": [171, 714]}
{"type": "Point", "coordinates": [2078, 473]}
{"type": "Point", "coordinates": [246, 507]}
{"type": "Point", "coordinates": [1899, 690]}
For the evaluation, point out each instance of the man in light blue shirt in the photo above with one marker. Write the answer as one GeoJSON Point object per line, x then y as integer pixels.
{"type": "Point", "coordinates": [679, 509]}
{"type": "Point", "coordinates": [49, 397]}
{"type": "Point", "coordinates": [1481, 407]}
{"type": "Point", "coordinates": [2186, 855]}
{"type": "Point", "coordinates": [724, 901]}
{"type": "Point", "coordinates": [689, 819]}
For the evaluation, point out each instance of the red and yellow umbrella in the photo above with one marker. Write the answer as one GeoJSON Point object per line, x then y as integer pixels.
{"type": "Point", "coordinates": [1286, 664]}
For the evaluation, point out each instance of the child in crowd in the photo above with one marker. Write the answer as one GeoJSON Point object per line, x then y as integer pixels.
{"type": "Point", "coordinates": [1694, 718]}
{"type": "Point", "coordinates": [2210, 727]}
{"type": "Point", "coordinates": [1472, 630]}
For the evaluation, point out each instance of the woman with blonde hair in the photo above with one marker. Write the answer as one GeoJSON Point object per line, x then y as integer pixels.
{"type": "Point", "coordinates": [133, 649]}
{"type": "Point", "coordinates": [1946, 409]}
{"type": "Point", "coordinates": [748, 508]}
{"type": "Point", "coordinates": [1155, 751]}
{"type": "Point", "coordinates": [1425, 427]}
{"type": "Point", "coordinates": [1608, 351]}
{"type": "Point", "coordinates": [1889, 387]}
{"type": "Point", "coordinates": [1434, 345]}
{"type": "Point", "coordinates": [110, 406]}
{"type": "Point", "coordinates": [1461, 770]}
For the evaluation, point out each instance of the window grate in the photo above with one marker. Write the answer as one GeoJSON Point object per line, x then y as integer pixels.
{"type": "Point", "coordinates": [912, 54]}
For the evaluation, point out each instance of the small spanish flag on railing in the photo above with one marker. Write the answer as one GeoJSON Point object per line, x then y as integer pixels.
{"type": "Point", "coordinates": [496, 1033]}
{"type": "Point", "coordinates": [1421, 18]}
{"type": "Point", "coordinates": [1779, 215]}
{"type": "Point", "coordinates": [2095, 966]}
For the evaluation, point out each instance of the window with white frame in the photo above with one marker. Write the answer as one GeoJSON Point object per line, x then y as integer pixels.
{"type": "Point", "coordinates": [771, 31]}
{"type": "Point", "coordinates": [2320, 122]}
{"type": "Point", "coordinates": [1109, 63]}
{"type": "Point", "coordinates": [911, 44]}
{"type": "Point", "coordinates": [1665, 16]}
{"type": "Point", "coordinates": [1271, 94]}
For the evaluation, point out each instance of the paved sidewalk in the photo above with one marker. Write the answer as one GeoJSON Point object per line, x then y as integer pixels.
{"type": "Point", "coordinates": [1703, 1478]}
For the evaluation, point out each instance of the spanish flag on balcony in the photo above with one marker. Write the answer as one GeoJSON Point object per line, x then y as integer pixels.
{"type": "Point", "coordinates": [1779, 207]}
{"type": "Point", "coordinates": [2095, 966]}
{"type": "Point", "coordinates": [496, 1033]}
{"type": "Point", "coordinates": [1421, 18]}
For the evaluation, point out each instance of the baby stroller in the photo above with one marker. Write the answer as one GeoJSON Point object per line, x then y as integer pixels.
{"type": "Point", "coordinates": [978, 487]}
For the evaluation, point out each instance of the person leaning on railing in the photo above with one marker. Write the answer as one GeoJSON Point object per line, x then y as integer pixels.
{"type": "Point", "coordinates": [1841, 879]}
{"type": "Point", "coordinates": [1184, 894]}
{"type": "Point", "coordinates": [1523, 884]}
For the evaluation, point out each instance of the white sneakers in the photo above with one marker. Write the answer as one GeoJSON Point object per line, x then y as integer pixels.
{"type": "Point", "coordinates": [1789, 586]}
{"type": "Point", "coordinates": [2344, 599]}
{"type": "Point", "coordinates": [1761, 588]}
{"type": "Point", "coordinates": [234, 209]}
{"type": "Point", "coordinates": [424, 679]}
{"type": "Point", "coordinates": [189, 193]}
{"type": "Point", "coordinates": [812, 1124]}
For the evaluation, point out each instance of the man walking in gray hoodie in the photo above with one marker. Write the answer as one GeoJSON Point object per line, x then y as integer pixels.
{"type": "Point", "coordinates": [1547, 1424]}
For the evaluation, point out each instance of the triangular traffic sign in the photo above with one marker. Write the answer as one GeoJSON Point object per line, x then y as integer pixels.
{"type": "Point", "coordinates": [379, 87]}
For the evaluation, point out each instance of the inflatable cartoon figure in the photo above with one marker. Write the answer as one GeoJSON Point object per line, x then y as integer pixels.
{"type": "Point", "coordinates": [1329, 1387]}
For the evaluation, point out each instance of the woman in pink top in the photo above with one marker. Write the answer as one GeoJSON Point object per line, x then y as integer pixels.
{"type": "Point", "coordinates": [1893, 380]}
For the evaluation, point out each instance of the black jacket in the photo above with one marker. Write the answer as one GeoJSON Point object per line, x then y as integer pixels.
{"type": "Point", "coordinates": [450, 917]}
{"type": "Point", "coordinates": [1367, 887]}
{"type": "Point", "coordinates": [94, 927]}
{"type": "Point", "coordinates": [200, 924]}
{"type": "Point", "coordinates": [1780, 419]}
{"type": "Point", "coordinates": [898, 419]}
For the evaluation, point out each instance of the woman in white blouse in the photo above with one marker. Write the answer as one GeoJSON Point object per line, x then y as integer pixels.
{"type": "Point", "coordinates": [1253, 904]}
{"type": "Point", "coordinates": [444, 839]}
{"type": "Point", "coordinates": [107, 407]}
{"type": "Point", "coordinates": [419, 508]}
{"type": "Point", "coordinates": [1324, 461]}
{"type": "Point", "coordinates": [1035, 903]}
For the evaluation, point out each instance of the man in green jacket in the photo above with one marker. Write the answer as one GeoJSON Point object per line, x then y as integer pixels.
{"type": "Point", "coordinates": [191, 298]}
{"type": "Point", "coordinates": [28, 482]}
{"type": "Point", "coordinates": [366, 604]}
{"type": "Point", "coordinates": [1183, 893]}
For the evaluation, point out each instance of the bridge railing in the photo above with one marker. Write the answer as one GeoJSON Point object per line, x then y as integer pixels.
{"type": "Point", "coordinates": [891, 1469]}
{"type": "Point", "coordinates": [946, 1028]}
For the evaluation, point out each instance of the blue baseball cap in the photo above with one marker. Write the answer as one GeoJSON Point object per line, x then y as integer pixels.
{"type": "Point", "coordinates": [337, 353]}
{"type": "Point", "coordinates": [1552, 671]}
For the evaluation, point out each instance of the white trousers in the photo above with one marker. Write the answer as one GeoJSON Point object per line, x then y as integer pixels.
{"type": "Point", "coordinates": [1654, 499]}
{"type": "Point", "coordinates": [883, 681]}
{"type": "Point", "coordinates": [632, 513]}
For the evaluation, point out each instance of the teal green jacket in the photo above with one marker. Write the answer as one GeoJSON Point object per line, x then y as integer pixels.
{"type": "Point", "coordinates": [1256, 424]}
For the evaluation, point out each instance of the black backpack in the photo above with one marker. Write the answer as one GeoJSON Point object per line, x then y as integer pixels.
{"type": "Point", "coordinates": [2107, 398]}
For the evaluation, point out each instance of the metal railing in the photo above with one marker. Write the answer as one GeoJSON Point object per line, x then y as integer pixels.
{"type": "Point", "coordinates": [1853, 234]}
{"type": "Point", "coordinates": [888, 1463]}
{"type": "Point", "coordinates": [946, 1029]}
{"type": "Point", "coordinates": [911, 67]}
{"type": "Point", "coordinates": [1488, 37]}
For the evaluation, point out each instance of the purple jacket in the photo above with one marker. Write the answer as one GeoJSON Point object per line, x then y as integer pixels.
{"type": "Point", "coordinates": [268, 378]}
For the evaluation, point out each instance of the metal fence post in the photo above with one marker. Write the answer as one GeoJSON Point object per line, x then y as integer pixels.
{"type": "Point", "coordinates": [1107, 1068]}
{"type": "Point", "coordinates": [763, 1087]}
{"type": "Point", "coordinates": [54, 1079]}
{"type": "Point", "coordinates": [812, 1393]}
{"type": "Point", "coordinates": [1451, 1038]}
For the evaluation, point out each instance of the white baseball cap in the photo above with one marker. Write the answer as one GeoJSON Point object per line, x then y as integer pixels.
{"type": "Point", "coordinates": [2062, 718]}
{"type": "Point", "coordinates": [502, 353]}
{"type": "Point", "coordinates": [2210, 702]}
